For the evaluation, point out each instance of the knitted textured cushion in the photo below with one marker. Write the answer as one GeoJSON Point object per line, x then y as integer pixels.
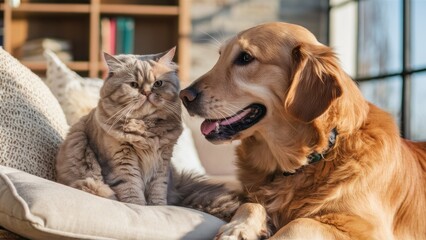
{"type": "Point", "coordinates": [76, 95]}
{"type": "Point", "coordinates": [32, 123]}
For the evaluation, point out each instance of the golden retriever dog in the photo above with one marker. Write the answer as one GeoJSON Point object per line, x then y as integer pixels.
{"type": "Point", "coordinates": [316, 160]}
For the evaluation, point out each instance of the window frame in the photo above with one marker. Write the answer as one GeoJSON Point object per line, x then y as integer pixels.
{"type": "Point", "coordinates": [407, 70]}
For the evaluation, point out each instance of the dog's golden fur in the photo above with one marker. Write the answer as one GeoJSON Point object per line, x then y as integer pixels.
{"type": "Point", "coordinates": [371, 185]}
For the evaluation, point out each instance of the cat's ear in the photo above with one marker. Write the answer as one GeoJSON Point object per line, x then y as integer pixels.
{"type": "Point", "coordinates": [167, 57]}
{"type": "Point", "coordinates": [111, 61]}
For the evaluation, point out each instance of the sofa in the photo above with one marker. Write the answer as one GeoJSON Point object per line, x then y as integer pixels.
{"type": "Point", "coordinates": [34, 206]}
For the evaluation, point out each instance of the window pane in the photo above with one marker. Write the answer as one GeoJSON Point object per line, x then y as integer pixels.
{"type": "Point", "coordinates": [380, 37]}
{"type": "Point", "coordinates": [418, 109]}
{"type": "Point", "coordinates": [418, 39]}
{"type": "Point", "coordinates": [343, 35]}
{"type": "Point", "coordinates": [312, 15]}
{"type": "Point", "coordinates": [384, 93]}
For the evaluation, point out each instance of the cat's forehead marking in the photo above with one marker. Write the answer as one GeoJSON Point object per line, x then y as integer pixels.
{"type": "Point", "coordinates": [143, 71]}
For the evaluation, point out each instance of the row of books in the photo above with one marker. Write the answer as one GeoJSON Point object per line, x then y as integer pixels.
{"type": "Point", "coordinates": [117, 35]}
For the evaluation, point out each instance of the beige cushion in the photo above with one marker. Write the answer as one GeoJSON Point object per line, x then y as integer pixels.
{"type": "Point", "coordinates": [40, 209]}
{"type": "Point", "coordinates": [32, 123]}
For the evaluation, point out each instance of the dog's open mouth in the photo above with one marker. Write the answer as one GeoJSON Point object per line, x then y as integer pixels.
{"type": "Point", "coordinates": [226, 128]}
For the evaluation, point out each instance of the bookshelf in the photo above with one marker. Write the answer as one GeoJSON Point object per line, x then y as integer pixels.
{"type": "Point", "coordinates": [159, 25]}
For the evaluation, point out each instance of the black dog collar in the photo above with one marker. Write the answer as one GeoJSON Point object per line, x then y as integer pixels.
{"type": "Point", "coordinates": [316, 157]}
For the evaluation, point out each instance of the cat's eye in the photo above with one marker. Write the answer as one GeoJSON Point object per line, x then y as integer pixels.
{"type": "Point", "coordinates": [158, 83]}
{"type": "Point", "coordinates": [134, 85]}
{"type": "Point", "coordinates": [110, 74]}
{"type": "Point", "coordinates": [244, 58]}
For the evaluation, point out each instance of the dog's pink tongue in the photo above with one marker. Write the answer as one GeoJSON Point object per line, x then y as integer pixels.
{"type": "Point", "coordinates": [208, 126]}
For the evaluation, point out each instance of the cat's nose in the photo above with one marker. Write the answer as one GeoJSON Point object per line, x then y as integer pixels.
{"type": "Point", "coordinates": [188, 95]}
{"type": "Point", "coordinates": [145, 92]}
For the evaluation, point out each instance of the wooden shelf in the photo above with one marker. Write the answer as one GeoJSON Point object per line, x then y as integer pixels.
{"type": "Point", "coordinates": [41, 66]}
{"type": "Point", "coordinates": [139, 10]}
{"type": "Point", "coordinates": [159, 25]}
{"type": "Point", "coordinates": [52, 8]}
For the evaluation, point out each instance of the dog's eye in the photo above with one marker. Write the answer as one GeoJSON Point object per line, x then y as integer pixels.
{"type": "Point", "coordinates": [244, 58]}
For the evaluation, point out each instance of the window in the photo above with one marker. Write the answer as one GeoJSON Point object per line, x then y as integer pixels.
{"type": "Point", "coordinates": [381, 44]}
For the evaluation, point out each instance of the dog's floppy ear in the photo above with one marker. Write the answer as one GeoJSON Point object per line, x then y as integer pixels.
{"type": "Point", "coordinates": [314, 83]}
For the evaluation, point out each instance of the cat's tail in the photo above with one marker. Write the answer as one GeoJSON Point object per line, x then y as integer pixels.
{"type": "Point", "coordinates": [197, 191]}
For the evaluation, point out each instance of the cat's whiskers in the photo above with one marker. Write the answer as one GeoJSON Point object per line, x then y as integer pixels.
{"type": "Point", "coordinates": [121, 109]}
{"type": "Point", "coordinates": [120, 117]}
{"type": "Point", "coordinates": [173, 105]}
{"type": "Point", "coordinates": [130, 111]}
{"type": "Point", "coordinates": [175, 111]}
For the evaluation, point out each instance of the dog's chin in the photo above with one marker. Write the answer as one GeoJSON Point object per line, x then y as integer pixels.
{"type": "Point", "coordinates": [230, 128]}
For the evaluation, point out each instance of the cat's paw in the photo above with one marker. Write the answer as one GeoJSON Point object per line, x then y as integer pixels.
{"type": "Point", "coordinates": [158, 202]}
{"type": "Point", "coordinates": [134, 126]}
{"type": "Point", "coordinates": [95, 187]}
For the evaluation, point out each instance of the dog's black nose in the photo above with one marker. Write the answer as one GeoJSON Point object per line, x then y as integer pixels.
{"type": "Point", "coordinates": [188, 95]}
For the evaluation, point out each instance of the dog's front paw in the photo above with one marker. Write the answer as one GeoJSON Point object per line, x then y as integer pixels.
{"type": "Point", "coordinates": [236, 230]}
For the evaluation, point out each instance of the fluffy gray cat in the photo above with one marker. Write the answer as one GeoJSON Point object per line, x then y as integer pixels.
{"type": "Point", "coordinates": [122, 149]}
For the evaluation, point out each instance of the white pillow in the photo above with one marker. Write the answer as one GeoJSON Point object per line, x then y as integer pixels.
{"type": "Point", "coordinates": [185, 156]}
{"type": "Point", "coordinates": [78, 96]}
{"type": "Point", "coordinates": [32, 123]}
{"type": "Point", "coordinates": [40, 209]}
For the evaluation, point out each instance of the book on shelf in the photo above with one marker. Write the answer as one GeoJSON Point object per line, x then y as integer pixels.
{"type": "Point", "coordinates": [33, 50]}
{"type": "Point", "coordinates": [112, 37]}
{"type": "Point", "coordinates": [108, 35]}
{"type": "Point", "coordinates": [128, 35]}
{"type": "Point", "coordinates": [117, 35]}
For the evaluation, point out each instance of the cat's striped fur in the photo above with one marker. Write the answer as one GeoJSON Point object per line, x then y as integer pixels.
{"type": "Point", "coordinates": [122, 148]}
